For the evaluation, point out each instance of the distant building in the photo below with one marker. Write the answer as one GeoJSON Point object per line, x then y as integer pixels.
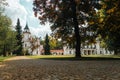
{"type": "Point", "coordinates": [57, 52]}
{"type": "Point", "coordinates": [88, 49]}
{"type": "Point", "coordinates": [31, 44]}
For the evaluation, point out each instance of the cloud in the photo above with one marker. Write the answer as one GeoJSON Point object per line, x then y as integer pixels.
{"type": "Point", "coordinates": [15, 10]}
{"type": "Point", "coordinates": [40, 31]}
{"type": "Point", "coordinates": [22, 9]}
{"type": "Point", "coordinates": [28, 0]}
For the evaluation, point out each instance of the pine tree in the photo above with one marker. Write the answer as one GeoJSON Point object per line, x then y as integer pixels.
{"type": "Point", "coordinates": [19, 38]}
{"type": "Point", "coordinates": [47, 46]}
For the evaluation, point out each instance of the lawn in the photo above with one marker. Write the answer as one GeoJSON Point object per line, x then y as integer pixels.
{"type": "Point", "coordinates": [103, 56]}
{"type": "Point", "coordinates": [51, 56]}
{"type": "Point", "coordinates": [3, 58]}
{"type": "Point", "coordinates": [71, 57]}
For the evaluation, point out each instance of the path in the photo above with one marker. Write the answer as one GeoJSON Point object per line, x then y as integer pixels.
{"type": "Point", "coordinates": [24, 68]}
{"type": "Point", "coordinates": [17, 58]}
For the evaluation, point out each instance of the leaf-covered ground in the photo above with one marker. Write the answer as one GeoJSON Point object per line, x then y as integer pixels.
{"type": "Point", "coordinates": [24, 68]}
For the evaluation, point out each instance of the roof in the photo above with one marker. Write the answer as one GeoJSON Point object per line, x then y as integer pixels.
{"type": "Point", "coordinates": [57, 50]}
{"type": "Point", "coordinates": [26, 27]}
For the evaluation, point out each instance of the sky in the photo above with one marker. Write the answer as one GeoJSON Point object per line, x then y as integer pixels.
{"type": "Point", "coordinates": [22, 9]}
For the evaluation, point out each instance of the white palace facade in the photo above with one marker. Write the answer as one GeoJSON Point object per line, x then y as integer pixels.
{"type": "Point", "coordinates": [86, 48]}
{"type": "Point", "coordinates": [91, 49]}
{"type": "Point", "coordinates": [31, 44]}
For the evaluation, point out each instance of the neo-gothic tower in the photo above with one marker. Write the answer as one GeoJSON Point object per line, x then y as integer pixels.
{"type": "Point", "coordinates": [31, 44]}
{"type": "Point", "coordinates": [27, 39]}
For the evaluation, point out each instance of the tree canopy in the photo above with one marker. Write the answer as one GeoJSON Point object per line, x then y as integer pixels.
{"type": "Point", "coordinates": [107, 24]}
{"type": "Point", "coordinates": [66, 17]}
{"type": "Point", "coordinates": [111, 25]}
{"type": "Point", "coordinates": [7, 35]}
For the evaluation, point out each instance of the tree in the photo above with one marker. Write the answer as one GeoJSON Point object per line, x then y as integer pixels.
{"type": "Point", "coordinates": [55, 43]}
{"type": "Point", "coordinates": [107, 24]}
{"type": "Point", "coordinates": [112, 26]}
{"type": "Point", "coordinates": [4, 27]}
{"type": "Point", "coordinates": [47, 46]}
{"type": "Point", "coordinates": [7, 36]}
{"type": "Point", "coordinates": [52, 42]}
{"type": "Point", "coordinates": [19, 38]}
{"type": "Point", "coordinates": [66, 16]}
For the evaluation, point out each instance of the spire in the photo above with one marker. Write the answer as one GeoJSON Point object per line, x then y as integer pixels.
{"type": "Point", "coordinates": [18, 21]}
{"type": "Point", "coordinates": [26, 27]}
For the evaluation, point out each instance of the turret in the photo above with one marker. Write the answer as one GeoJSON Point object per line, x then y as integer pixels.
{"type": "Point", "coordinates": [26, 29]}
{"type": "Point", "coordinates": [26, 33]}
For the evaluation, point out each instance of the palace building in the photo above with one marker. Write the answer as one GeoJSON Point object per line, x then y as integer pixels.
{"type": "Point", "coordinates": [31, 44]}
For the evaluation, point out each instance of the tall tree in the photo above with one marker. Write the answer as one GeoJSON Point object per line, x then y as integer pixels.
{"type": "Point", "coordinates": [112, 24]}
{"type": "Point", "coordinates": [19, 38]}
{"type": "Point", "coordinates": [106, 24]}
{"type": "Point", "coordinates": [47, 46]}
{"type": "Point", "coordinates": [4, 29]}
{"type": "Point", "coordinates": [7, 35]}
{"type": "Point", "coordinates": [66, 16]}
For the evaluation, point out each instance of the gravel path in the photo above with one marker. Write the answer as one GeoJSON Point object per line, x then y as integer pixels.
{"type": "Point", "coordinates": [23, 68]}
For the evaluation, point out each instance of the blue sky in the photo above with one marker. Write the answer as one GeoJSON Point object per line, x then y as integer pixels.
{"type": "Point", "coordinates": [22, 9]}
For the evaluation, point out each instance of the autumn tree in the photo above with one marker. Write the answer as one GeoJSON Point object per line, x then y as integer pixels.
{"type": "Point", "coordinates": [106, 23]}
{"type": "Point", "coordinates": [55, 43]}
{"type": "Point", "coordinates": [52, 42]}
{"type": "Point", "coordinates": [112, 24]}
{"type": "Point", "coordinates": [66, 17]}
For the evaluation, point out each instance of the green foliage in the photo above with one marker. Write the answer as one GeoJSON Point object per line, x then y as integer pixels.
{"type": "Point", "coordinates": [66, 16]}
{"type": "Point", "coordinates": [7, 36]}
{"type": "Point", "coordinates": [55, 43]}
{"type": "Point", "coordinates": [112, 25]}
{"type": "Point", "coordinates": [47, 46]}
{"type": "Point", "coordinates": [59, 45]}
{"type": "Point", "coordinates": [19, 38]}
{"type": "Point", "coordinates": [107, 24]}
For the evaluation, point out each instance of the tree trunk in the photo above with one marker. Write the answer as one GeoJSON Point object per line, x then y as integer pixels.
{"type": "Point", "coordinates": [4, 50]}
{"type": "Point", "coordinates": [116, 51]}
{"type": "Point", "coordinates": [77, 35]}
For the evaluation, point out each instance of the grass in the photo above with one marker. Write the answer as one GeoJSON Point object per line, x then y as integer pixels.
{"type": "Point", "coordinates": [51, 56]}
{"type": "Point", "coordinates": [3, 58]}
{"type": "Point", "coordinates": [103, 56]}
{"type": "Point", "coordinates": [71, 57]}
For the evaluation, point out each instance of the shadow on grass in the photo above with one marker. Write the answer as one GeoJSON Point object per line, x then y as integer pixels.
{"type": "Point", "coordinates": [81, 59]}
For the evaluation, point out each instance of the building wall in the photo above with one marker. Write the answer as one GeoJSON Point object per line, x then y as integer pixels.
{"type": "Point", "coordinates": [93, 49]}
{"type": "Point", "coordinates": [27, 45]}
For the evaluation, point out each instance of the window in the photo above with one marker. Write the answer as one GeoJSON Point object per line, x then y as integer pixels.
{"type": "Point", "coordinates": [25, 45]}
